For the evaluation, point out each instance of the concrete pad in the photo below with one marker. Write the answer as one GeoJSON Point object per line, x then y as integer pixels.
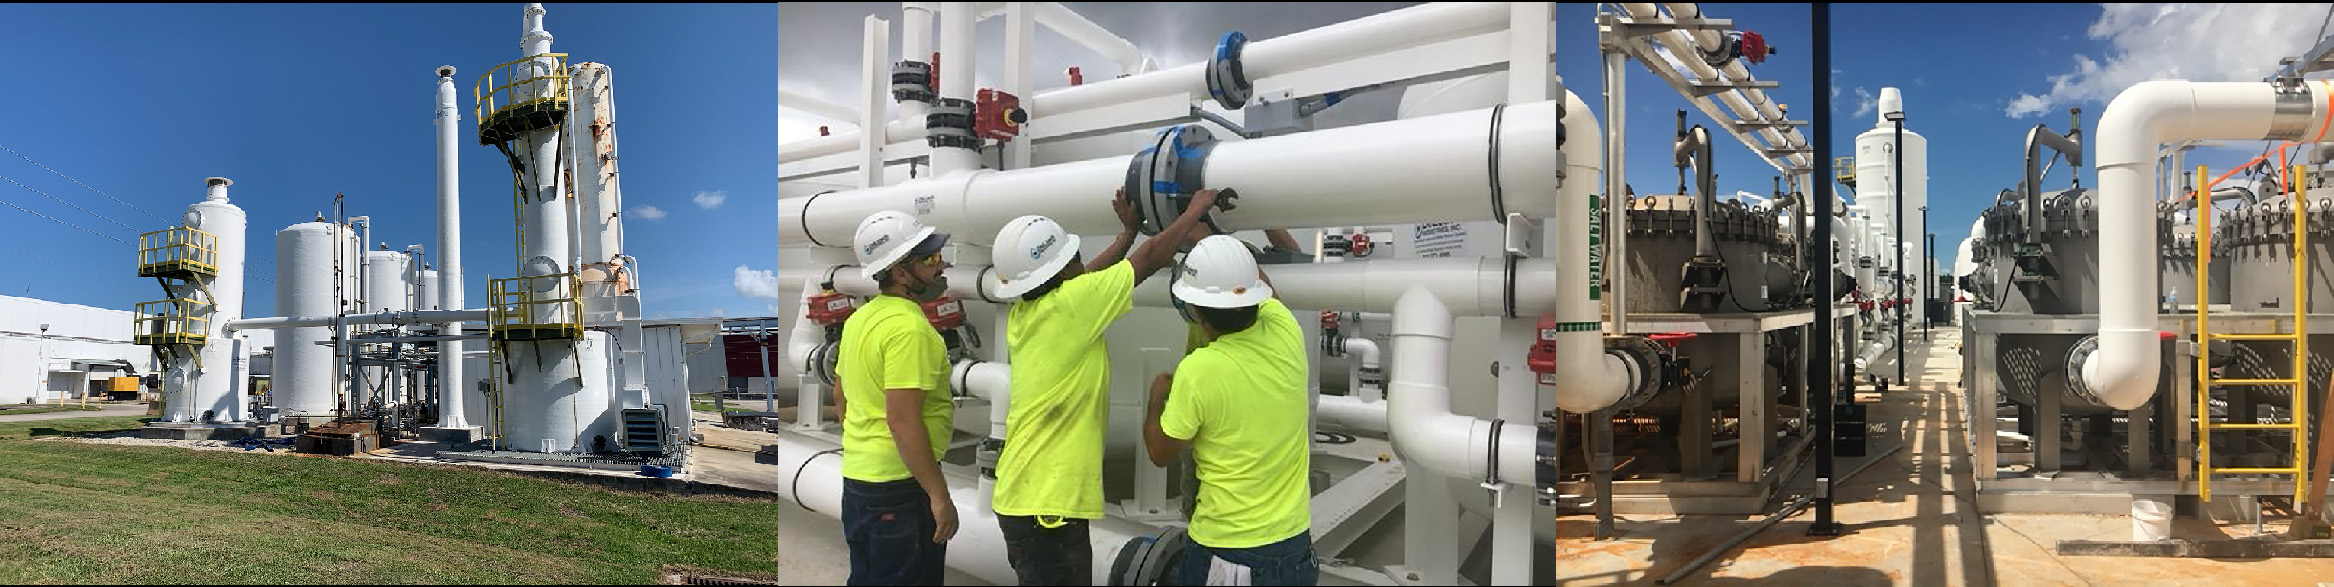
{"type": "Point", "coordinates": [186, 431]}
{"type": "Point", "coordinates": [456, 436]}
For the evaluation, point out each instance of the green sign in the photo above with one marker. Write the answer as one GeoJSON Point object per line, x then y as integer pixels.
{"type": "Point", "coordinates": [1596, 251]}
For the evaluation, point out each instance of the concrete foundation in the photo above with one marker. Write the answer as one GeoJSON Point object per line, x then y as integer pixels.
{"type": "Point", "coordinates": [186, 431]}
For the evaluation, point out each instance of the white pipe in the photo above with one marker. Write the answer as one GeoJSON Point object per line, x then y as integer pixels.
{"type": "Point", "coordinates": [982, 379]}
{"type": "Point", "coordinates": [1352, 412]}
{"type": "Point", "coordinates": [450, 294]}
{"type": "Point", "coordinates": [806, 335]}
{"type": "Point", "coordinates": [1091, 36]}
{"type": "Point", "coordinates": [1368, 349]}
{"type": "Point", "coordinates": [2123, 371]}
{"type": "Point", "coordinates": [814, 106]}
{"type": "Point", "coordinates": [1423, 428]}
{"type": "Point", "coordinates": [915, 45]}
{"type": "Point", "coordinates": [401, 317]}
{"type": "Point", "coordinates": [816, 481]}
{"type": "Point", "coordinates": [1361, 175]}
{"type": "Point", "coordinates": [1601, 380]}
{"type": "Point", "coordinates": [956, 81]}
{"type": "Point", "coordinates": [1365, 37]}
{"type": "Point", "coordinates": [1467, 286]}
{"type": "Point", "coordinates": [1747, 103]}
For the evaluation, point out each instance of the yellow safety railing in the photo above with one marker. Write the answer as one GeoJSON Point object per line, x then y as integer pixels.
{"type": "Point", "coordinates": [175, 321]}
{"type": "Point", "coordinates": [2298, 378]}
{"type": "Point", "coordinates": [528, 97]}
{"type": "Point", "coordinates": [1844, 169]}
{"type": "Point", "coordinates": [177, 252]}
{"type": "Point", "coordinates": [533, 308]}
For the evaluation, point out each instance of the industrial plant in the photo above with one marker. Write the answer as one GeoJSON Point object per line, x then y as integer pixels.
{"type": "Point", "coordinates": [1521, 368]}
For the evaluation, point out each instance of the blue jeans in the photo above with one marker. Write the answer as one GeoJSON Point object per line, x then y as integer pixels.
{"type": "Point", "coordinates": [889, 527]}
{"type": "Point", "coordinates": [1288, 562]}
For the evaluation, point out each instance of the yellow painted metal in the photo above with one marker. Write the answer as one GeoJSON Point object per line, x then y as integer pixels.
{"type": "Point", "coordinates": [498, 99]}
{"type": "Point", "coordinates": [2299, 378]}
{"type": "Point", "coordinates": [173, 321]}
{"type": "Point", "coordinates": [178, 252]}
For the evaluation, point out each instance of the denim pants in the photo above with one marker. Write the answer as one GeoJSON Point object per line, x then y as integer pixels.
{"type": "Point", "coordinates": [1288, 562]}
{"type": "Point", "coordinates": [889, 527]}
{"type": "Point", "coordinates": [1048, 556]}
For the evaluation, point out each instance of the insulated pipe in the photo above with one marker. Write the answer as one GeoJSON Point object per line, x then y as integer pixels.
{"type": "Point", "coordinates": [1360, 175]}
{"type": "Point", "coordinates": [1369, 36]}
{"type": "Point", "coordinates": [2041, 136]}
{"type": "Point", "coordinates": [1352, 412]}
{"type": "Point", "coordinates": [816, 481]}
{"type": "Point", "coordinates": [449, 126]}
{"type": "Point", "coordinates": [2123, 370]}
{"type": "Point", "coordinates": [1423, 428]}
{"type": "Point", "coordinates": [1602, 379]}
{"type": "Point", "coordinates": [1368, 349]}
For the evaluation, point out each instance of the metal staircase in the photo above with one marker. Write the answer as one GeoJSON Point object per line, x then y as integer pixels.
{"type": "Point", "coordinates": [184, 261]}
{"type": "Point", "coordinates": [2297, 378]}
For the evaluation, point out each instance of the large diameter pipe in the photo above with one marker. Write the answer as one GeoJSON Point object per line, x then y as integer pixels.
{"type": "Point", "coordinates": [2036, 139]}
{"type": "Point", "coordinates": [1370, 36]}
{"type": "Point", "coordinates": [956, 80]}
{"type": "Point", "coordinates": [1602, 379]}
{"type": "Point", "coordinates": [405, 317]}
{"type": "Point", "coordinates": [1091, 36]}
{"type": "Point", "coordinates": [1362, 175]}
{"type": "Point", "coordinates": [978, 548]}
{"type": "Point", "coordinates": [915, 45]}
{"type": "Point", "coordinates": [1467, 286]}
{"type": "Point", "coordinates": [1418, 410]}
{"type": "Point", "coordinates": [2123, 370]}
{"type": "Point", "coordinates": [450, 294]}
{"type": "Point", "coordinates": [1352, 413]}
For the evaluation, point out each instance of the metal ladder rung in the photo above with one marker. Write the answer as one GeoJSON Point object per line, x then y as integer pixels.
{"type": "Point", "coordinates": [2255, 471]}
{"type": "Point", "coordinates": [2251, 382]}
{"type": "Point", "coordinates": [2251, 426]}
{"type": "Point", "coordinates": [2218, 336]}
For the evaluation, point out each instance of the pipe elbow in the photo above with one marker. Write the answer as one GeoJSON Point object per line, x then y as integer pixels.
{"type": "Point", "coordinates": [1608, 386]}
{"type": "Point", "coordinates": [2121, 373]}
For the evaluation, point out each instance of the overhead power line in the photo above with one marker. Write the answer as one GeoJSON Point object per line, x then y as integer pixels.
{"type": "Point", "coordinates": [78, 182]}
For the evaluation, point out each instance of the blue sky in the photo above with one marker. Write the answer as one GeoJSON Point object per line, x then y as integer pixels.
{"type": "Point", "coordinates": [297, 102]}
{"type": "Point", "coordinates": [1974, 78]}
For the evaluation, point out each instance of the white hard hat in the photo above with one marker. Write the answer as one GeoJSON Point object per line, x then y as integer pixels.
{"type": "Point", "coordinates": [888, 236]}
{"type": "Point", "coordinates": [1029, 251]}
{"type": "Point", "coordinates": [1219, 272]}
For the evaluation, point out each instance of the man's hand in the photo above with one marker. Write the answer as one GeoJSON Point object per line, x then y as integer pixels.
{"type": "Point", "coordinates": [944, 517]}
{"type": "Point", "coordinates": [1160, 386]}
{"type": "Point", "coordinates": [1203, 199]}
{"type": "Point", "coordinates": [1126, 211]}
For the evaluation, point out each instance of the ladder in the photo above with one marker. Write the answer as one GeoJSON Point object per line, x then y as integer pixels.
{"type": "Point", "coordinates": [496, 361]}
{"type": "Point", "coordinates": [2297, 379]}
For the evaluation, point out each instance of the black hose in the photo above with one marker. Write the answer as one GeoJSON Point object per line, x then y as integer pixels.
{"type": "Point", "coordinates": [795, 487]}
{"type": "Point", "coordinates": [1327, 437]}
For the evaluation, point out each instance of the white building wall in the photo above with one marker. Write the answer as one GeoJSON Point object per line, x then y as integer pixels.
{"type": "Point", "coordinates": [32, 362]}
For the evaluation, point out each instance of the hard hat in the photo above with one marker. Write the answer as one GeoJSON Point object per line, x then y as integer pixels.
{"type": "Point", "coordinates": [1219, 272]}
{"type": "Point", "coordinates": [1030, 250]}
{"type": "Point", "coordinates": [888, 236]}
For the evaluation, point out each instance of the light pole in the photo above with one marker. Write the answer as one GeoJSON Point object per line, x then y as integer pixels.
{"type": "Point", "coordinates": [1928, 280]}
{"type": "Point", "coordinates": [1821, 364]}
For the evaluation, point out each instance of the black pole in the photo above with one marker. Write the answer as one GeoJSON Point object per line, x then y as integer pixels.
{"type": "Point", "coordinates": [1821, 362]}
{"type": "Point", "coordinates": [1897, 249]}
{"type": "Point", "coordinates": [1928, 279]}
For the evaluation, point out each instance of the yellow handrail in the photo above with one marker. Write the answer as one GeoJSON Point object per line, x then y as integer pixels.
{"type": "Point", "coordinates": [486, 92]}
{"type": "Point", "coordinates": [172, 321]}
{"type": "Point", "coordinates": [178, 248]}
{"type": "Point", "coordinates": [514, 303]}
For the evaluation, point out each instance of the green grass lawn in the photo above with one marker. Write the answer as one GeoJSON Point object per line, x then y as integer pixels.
{"type": "Point", "coordinates": [703, 402]}
{"type": "Point", "coordinates": [83, 513]}
{"type": "Point", "coordinates": [40, 409]}
{"type": "Point", "coordinates": [68, 426]}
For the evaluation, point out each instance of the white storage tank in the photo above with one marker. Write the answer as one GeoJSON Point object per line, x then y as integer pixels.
{"type": "Point", "coordinates": [387, 282]}
{"type": "Point", "coordinates": [303, 381]}
{"type": "Point", "coordinates": [1876, 186]}
{"type": "Point", "coordinates": [215, 388]}
{"type": "Point", "coordinates": [425, 292]}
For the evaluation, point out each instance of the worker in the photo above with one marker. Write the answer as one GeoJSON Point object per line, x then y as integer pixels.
{"type": "Point", "coordinates": [897, 514]}
{"type": "Point", "coordinates": [1049, 475]}
{"type": "Point", "coordinates": [1239, 403]}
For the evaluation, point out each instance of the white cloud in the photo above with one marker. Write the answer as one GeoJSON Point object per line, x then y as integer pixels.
{"type": "Point", "coordinates": [1865, 102]}
{"type": "Point", "coordinates": [756, 284]}
{"type": "Point", "coordinates": [712, 199]}
{"type": "Point", "coordinates": [647, 212]}
{"type": "Point", "coordinates": [2196, 42]}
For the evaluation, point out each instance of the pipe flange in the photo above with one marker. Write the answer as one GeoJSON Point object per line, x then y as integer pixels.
{"type": "Point", "coordinates": [949, 124]}
{"type": "Point", "coordinates": [1227, 82]}
{"type": "Point", "coordinates": [2077, 356]}
{"type": "Point", "coordinates": [822, 364]}
{"type": "Point", "coordinates": [1145, 560]}
{"type": "Point", "coordinates": [1161, 178]}
{"type": "Point", "coordinates": [911, 81]}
